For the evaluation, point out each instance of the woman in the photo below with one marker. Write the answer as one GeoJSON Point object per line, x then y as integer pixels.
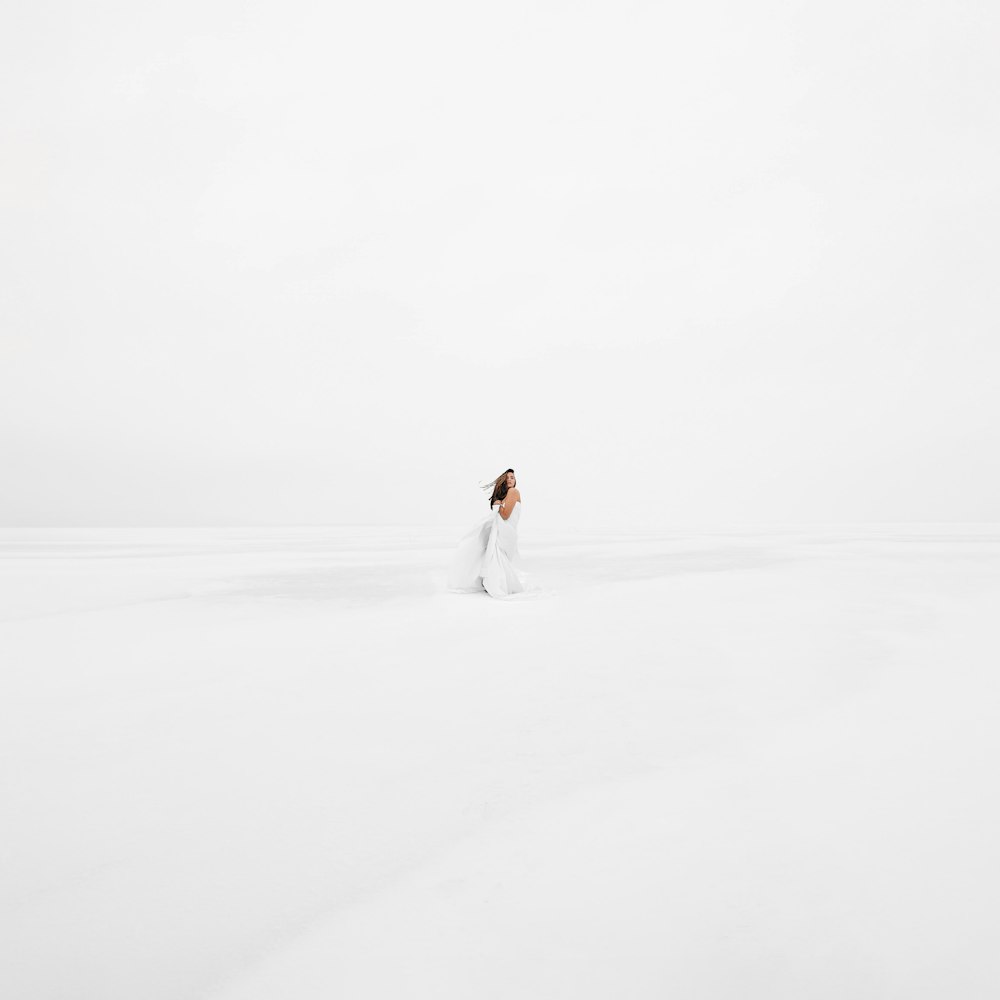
{"type": "Point", "coordinates": [487, 557]}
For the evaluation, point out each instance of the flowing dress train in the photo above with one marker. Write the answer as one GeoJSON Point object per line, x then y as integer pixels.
{"type": "Point", "coordinates": [487, 557]}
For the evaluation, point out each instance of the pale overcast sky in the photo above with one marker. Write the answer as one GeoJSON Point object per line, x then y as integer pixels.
{"type": "Point", "coordinates": [320, 263]}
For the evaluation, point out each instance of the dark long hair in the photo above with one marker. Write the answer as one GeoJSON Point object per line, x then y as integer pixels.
{"type": "Point", "coordinates": [499, 487]}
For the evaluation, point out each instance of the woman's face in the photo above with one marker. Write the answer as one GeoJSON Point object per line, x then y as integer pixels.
{"type": "Point", "coordinates": [511, 481]}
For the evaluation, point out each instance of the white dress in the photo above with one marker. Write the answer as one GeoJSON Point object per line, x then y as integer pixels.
{"type": "Point", "coordinates": [487, 557]}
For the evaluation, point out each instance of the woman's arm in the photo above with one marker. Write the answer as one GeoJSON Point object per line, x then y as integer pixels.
{"type": "Point", "coordinates": [507, 509]}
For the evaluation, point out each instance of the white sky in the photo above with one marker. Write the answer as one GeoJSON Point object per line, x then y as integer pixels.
{"type": "Point", "coordinates": [318, 263]}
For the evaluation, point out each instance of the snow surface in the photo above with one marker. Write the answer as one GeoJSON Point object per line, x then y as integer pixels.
{"type": "Point", "coordinates": [286, 763]}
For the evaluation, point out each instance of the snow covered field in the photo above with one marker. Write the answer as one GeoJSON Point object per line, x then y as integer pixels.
{"type": "Point", "coordinates": [285, 763]}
